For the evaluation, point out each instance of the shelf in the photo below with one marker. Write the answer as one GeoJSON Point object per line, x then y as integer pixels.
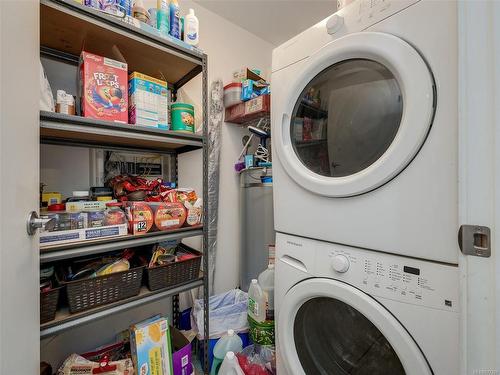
{"type": "Point", "coordinates": [306, 105]}
{"type": "Point", "coordinates": [66, 251]}
{"type": "Point", "coordinates": [65, 321]}
{"type": "Point", "coordinates": [313, 142]}
{"type": "Point", "coordinates": [69, 27]}
{"type": "Point", "coordinates": [66, 129]}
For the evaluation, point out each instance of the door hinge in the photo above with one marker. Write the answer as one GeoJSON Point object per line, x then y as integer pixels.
{"type": "Point", "coordinates": [475, 240]}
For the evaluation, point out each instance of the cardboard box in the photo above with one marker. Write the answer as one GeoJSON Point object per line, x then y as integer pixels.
{"type": "Point", "coordinates": [87, 205]}
{"type": "Point", "coordinates": [148, 101]}
{"type": "Point", "coordinates": [51, 198]}
{"type": "Point", "coordinates": [150, 346]}
{"type": "Point", "coordinates": [246, 73]}
{"type": "Point", "coordinates": [85, 234]}
{"type": "Point", "coordinates": [182, 362]}
{"type": "Point", "coordinates": [103, 88]}
{"type": "Point", "coordinates": [249, 110]}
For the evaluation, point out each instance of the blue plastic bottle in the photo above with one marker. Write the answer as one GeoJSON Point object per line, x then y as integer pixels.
{"type": "Point", "coordinates": [175, 28]}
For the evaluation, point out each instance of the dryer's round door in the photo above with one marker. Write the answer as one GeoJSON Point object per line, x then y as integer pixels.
{"type": "Point", "coordinates": [356, 116]}
{"type": "Point", "coordinates": [327, 327]}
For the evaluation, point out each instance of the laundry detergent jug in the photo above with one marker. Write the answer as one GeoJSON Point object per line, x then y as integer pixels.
{"type": "Point", "coordinates": [229, 343]}
{"type": "Point", "coordinates": [256, 302]}
{"type": "Point", "coordinates": [266, 282]}
{"type": "Point", "coordinates": [230, 366]}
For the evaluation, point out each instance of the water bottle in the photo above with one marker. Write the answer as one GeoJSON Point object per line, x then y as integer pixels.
{"type": "Point", "coordinates": [266, 282]}
{"type": "Point", "coordinates": [256, 302]}
{"type": "Point", "coordinates": [230, 366]}
{"type": "Point", "coordinates": [229, 343]}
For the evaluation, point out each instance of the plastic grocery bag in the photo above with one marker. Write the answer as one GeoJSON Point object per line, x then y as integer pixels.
{"type": "Point", "coordinates": [226, 311]}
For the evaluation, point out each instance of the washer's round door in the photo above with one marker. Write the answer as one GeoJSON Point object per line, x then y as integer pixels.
{"type": "Point", "coordinates": [327, 327]}
{"type": "Point", "coordinates": [356, 116]}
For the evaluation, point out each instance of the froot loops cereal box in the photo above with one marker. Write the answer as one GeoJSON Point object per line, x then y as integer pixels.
{"type": "Point", "coordinates": [103, 88]}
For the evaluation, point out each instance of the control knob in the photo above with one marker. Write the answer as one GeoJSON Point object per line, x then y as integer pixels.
{"type": "Point", "coordinates": [340, 263]}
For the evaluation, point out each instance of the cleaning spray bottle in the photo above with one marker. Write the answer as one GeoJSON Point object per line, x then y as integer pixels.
{"type": "Point", "coordinates": [175, 27]}
{"type": "Point", "coordinates": [162, 17]}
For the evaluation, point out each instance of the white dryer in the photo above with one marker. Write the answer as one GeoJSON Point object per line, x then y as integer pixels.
{"type": "Point", "coordinates": [364, 123]}
{"type": "Point", "coordinates": [343, 310]}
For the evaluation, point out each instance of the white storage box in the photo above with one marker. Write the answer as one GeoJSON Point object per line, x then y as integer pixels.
{"type": "Point", "coordinates": [232, 94]}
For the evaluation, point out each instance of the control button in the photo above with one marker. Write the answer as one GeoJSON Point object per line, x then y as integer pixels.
{"type": "Point", "coordinates": [334, 24]}
{"type": "Point", "coordinates": [340, 263]}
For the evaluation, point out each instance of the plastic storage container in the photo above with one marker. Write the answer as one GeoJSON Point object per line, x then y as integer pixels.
{"type": "Point", "coordinates": [229, 343]}
{"type": "Point", "coordinates": [256, 302]}
{"type": "Point", "coordinates": [232, 94]}
{"type": "Point", "coordinates": [266, 282]}
{"type": "Point", "coordinates": [230, 366]}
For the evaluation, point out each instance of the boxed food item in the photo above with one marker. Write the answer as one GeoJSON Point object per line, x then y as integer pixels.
{"type": "Point", "coordinates": [103, 88]}
{"type": "Point", "coordinates": [77, 206]}
{"type": "Point", "coordinates": [148, 101]}
{"type": "Point", "coordinates": [150, 346]}
{"type": "Point", "coordinates": [249, 110]}
{"type": "Point", "coordinates": [182, 363]}
{"type": "Point", "coordinates": [50, 198]}
{"type": "Point", "coordinates": [146, 217]}
{"type": "Point", "coordinates": [83, 234]}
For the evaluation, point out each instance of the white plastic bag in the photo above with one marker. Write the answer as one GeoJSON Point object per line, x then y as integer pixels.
{"type": "Point", "coordinates": [46, 97]}
{"type": "Point", "coordinates": [227, 311]}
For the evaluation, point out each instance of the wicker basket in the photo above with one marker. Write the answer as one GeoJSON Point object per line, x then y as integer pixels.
{"type": "Point", "coordinates": [176, 273]}
{"type": "Point", "coordinates": [92, 292]}
{"type": "Point", "coordinates": [48, 304]}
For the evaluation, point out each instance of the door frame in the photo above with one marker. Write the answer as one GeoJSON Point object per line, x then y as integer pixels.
{"type": "Point", "coordinates": [479, 180]}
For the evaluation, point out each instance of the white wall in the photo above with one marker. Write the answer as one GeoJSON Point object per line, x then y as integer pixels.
{"type": "Point", "coordinates": [228, 47]}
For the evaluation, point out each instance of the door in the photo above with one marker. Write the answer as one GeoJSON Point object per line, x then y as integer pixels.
{"type": "Point", "coordinates": [479, 181]}
{"type": "Point", "coordinates": [19, 191]}
{"type": "Point", "coordinates": [357, 115]}
{"type": "Point", "coordinates": [337, 329]}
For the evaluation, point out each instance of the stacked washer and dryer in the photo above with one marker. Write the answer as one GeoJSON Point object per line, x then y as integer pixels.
{"type": "Point", "coordinates": [364, 123]}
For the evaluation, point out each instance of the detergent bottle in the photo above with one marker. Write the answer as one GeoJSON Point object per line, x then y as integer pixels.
{"type": "Point", "coordinates": [191, 29]}
{"type": "Point", "coordinates": [230, 366]}
{"type": "Point", "coordinates": [266, 282]}
{"type": "Point", "coordinates": [175, 23]}
{"type": "Point", "coordinates": [163, 17]}
{"type": "Point", "coordinates": [256, 302]}
{"type": "Point", "coordinates": [229, 343]}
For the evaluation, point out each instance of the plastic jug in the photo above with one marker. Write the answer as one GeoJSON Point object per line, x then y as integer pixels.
{"type": "Point", "coordinates": [256, 302]}
{"type": "Point", "coordinates": [266, 282]}
{"type": "Point", "coordinates": [230, 366]}
{"type": "Point", "coordinates": [229, 343]}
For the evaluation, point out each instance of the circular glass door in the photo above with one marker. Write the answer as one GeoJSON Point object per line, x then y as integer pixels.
{"type": "Point", "coordinates": [346, 118]}
{"type": "Point", "coordinates": [328, 327]}
{"type": "Point", "coordinates": [332, 337]}
{"type": "Point", "coordinates": [353, 115]}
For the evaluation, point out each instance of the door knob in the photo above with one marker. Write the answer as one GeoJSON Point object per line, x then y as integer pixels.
{"type": "Point", "coordinates": [34, 222]}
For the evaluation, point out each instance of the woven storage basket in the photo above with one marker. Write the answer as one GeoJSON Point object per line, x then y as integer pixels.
{"type": "Point", "coordinates": [176, 273]}
{"type": "Point", "coordinates": [92, 292]}
{"type": "Point", "coordinates": [48, 304]}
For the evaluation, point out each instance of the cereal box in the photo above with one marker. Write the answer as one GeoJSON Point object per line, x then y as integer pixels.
{"type": "Point", "coordinates": [103, 88]}
{"type": "Point", "coordinates": [148, 101]}
{"type": "Point", "coordinates": [150, 346]}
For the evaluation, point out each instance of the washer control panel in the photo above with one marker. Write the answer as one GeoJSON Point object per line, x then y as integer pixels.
{"type": "Point", "coordinates": [391, 276]}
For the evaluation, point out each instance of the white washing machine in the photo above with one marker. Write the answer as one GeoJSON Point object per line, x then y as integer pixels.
{"type": "Point", "coordinates": [364, 111]}
{"type": "Point", "coordinates": [344, 310]}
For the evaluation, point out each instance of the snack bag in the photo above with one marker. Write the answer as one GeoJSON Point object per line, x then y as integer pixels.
{"type": "Point", "coordinates": [103, 88]}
